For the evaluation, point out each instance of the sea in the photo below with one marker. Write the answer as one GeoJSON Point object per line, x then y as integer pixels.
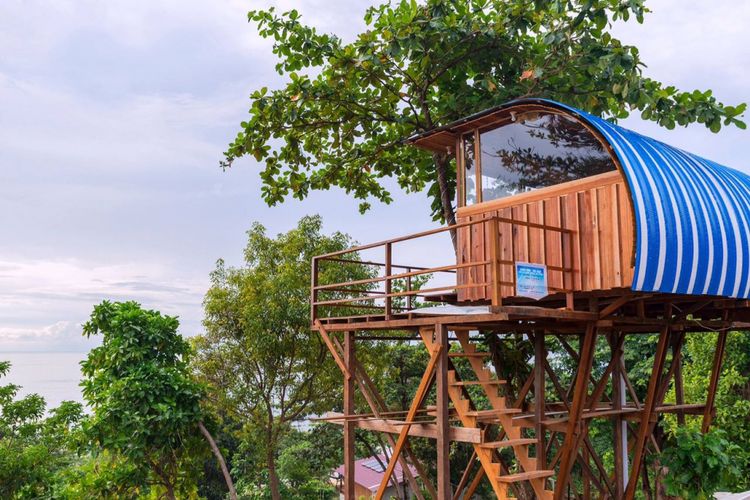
{"type": "Point", "coordinates": [53, 375]}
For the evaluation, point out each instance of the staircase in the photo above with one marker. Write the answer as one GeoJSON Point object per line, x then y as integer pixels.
{"type": "Point", "coordinates": [500, 414]}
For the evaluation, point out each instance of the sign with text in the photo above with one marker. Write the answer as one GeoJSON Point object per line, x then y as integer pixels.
{"type": "Point", "coordinates": [531, 280]}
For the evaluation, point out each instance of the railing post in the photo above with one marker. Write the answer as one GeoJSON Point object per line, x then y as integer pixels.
{"type": "Point", "coordinates": [313, 289]}
{"type": "Point", "coordinates": [409, 298]}
{"type": "Point", "coordinates": [495, 262]}
{"type": "Point", "coordinates": [388, 272]}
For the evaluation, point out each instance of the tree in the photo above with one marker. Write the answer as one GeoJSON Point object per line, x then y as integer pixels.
{"type": "Point", "coordinates": [732, 395]}
{"type": "Point", "coordinates": [34, 449]}
{"type": "Point", "coordinates": [146, 406]}
{"type": "Point", "coordinates": [259, 352]}
{"type": "Point", "coordinates": [698, 465]}
{"type": "Point", "coordinates": [346, 109]}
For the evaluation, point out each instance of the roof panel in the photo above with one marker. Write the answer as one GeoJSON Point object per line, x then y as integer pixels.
{"type": "Point", "coordinates": [692, 216]}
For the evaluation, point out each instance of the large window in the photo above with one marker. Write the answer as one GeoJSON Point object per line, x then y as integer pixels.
{"type": "Point", "coordinates": [533, 150]}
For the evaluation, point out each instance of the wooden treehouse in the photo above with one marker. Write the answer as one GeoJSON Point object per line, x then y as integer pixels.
{"type": "Point", "coordinates": [569, 230]}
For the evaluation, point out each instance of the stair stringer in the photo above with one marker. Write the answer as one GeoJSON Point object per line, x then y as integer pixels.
{"type": "Point", "coordinates": [506, 421]}
{"type": "Point", "coordinates": [462, 406]}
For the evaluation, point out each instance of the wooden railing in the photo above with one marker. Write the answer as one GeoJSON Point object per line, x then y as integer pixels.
{"type": "Point", "coordinates": [362, 295]}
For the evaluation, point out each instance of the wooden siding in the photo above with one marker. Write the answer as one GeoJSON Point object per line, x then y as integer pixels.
{"type": "Point", "coordinates": [599, 249]}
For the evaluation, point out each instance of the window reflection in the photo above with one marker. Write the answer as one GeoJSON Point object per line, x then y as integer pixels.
{"type": "Point", "coordinates": [470, 174]}
{"type": "Point", "coordinates": [537, 150]}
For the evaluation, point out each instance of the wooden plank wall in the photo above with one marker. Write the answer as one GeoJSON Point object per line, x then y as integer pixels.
{"type": "Point", "coordinates": [600, 251]}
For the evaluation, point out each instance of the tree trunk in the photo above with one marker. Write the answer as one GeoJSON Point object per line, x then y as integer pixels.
{"type": "Point", "coordinates": [220, 459]}
{"type": "Point", "coordinates": [441, 165]}
{"type": "Point", "coordinates": [273, 477]}
{"type": "Point", "coordinates": [170, 490]}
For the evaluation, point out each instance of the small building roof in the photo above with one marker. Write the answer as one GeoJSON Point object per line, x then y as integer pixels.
{"type": "Point", "coordinates": [692, 215]}
{"type": "Point", "coordinates": [368, 472]}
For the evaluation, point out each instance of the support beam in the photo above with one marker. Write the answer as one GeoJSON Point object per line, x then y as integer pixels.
{"type": "Point", "coordinates": [428, 430]}
{"type": "Point", "coordinates": [474, 484]}
{"type": "Point", "coordinates": [539, 400]}
{"type": "Point", "coordinates": [465, 476]}
{"type": "Point", "coordinates": [619, 399]}
{"type": "Point", "coordinates": [348, 410]}
{"type": "Point", "coordinates": [442, 400]}
{"type": "Point", "coordinates": [580, 393]}
{"type": "Point", "coordinates": [416, 403]}
{"type": "Point", "coordinates": [379, 407]}
{"type": "Point", "coordinates": [648, 411]}
{"type": "Point", "coordinates": [713, 385]}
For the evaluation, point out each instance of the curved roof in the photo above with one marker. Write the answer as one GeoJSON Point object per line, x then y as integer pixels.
{"type": "Point", "coordinates": [692, 215]}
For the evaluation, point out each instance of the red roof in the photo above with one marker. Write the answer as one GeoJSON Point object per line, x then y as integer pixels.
{"type": "Point", "coordinates": [368, 472]}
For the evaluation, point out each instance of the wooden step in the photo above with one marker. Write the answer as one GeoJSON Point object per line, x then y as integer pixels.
{"type": "Point", "coordinates": [508, 442]}
{"type": "Point", "coordinates": [480, 382]}
{"type": "Point", "coordinates": [526, 476]}
{"type": "Point", "coordinates": [490, 413]}
{"type": "Point", "coordinates": [469, 354]}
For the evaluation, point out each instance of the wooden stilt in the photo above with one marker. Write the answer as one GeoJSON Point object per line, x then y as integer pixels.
{"type": "Point", "coordinates": [442, 400]}
{"type": "Point", "coordinates": [713, 385]}
{"type": "Point", "coordinates": [586, 358]}
{"type": "Point", "coordinates": [539, 401]}
{"type": "Point", "coordinates": [348, 410]}
{"type": "Point", "coordinates": [647, 412]}
{"type": "Point", "coordinates": [379, 408]}
{"type": "Point", "coordinates": [465, 476]}
{"type": "Point", "coordinates": [416, 403]}
{"type": "Point", "coordinates": [620, 425]}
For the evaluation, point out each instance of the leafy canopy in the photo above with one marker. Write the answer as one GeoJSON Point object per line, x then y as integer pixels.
{"type": "Point", "coordinates": [145, 404]}
{"type": "Point", "coordinates": [347, 106]}
{"type": "Point", "coordinates": [698, 465]}
{"type": "Point", "coordinates": [34, 449]}
{"type": "Point", "coordinates": [259, 353]}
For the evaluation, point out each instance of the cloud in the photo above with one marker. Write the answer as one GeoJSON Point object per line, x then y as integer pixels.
{"type": "Point", "coordinates": [115, 114]}
{"type": "Point", "coordinates": [33, 293]}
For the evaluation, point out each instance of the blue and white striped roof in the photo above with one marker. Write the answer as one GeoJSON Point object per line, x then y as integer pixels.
{"type": "Point", "coordinates": [692, 216]}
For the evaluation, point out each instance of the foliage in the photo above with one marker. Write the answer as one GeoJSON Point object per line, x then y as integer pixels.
{"type": "Point", "coordinates": [732, 395]}
{"type": "Point", "coordinates": [259, 352]}
{"type": "Point", "coordinates": [347, 106]}
{"type": "Point", "coordinates": [101, 475]}
{"type": "Point", "coordinates": [698, 465]}
{"type": "Point", "coordinates": [145, 404]}
{"type": "Point", "coordinates": [33, 448]}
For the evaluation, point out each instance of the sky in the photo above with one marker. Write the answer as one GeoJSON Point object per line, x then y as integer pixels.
{"type": "Point", "coordinates": [114, 116]}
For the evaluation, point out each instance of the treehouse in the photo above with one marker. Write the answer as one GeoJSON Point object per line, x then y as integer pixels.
{"type": "Point", "coordinates": [568, 227]}
{"type": "Point", "coordinates": [597, 206]}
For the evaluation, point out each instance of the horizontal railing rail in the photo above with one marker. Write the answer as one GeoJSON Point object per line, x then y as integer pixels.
{"type": "Point", "coordinates": [362, 294]}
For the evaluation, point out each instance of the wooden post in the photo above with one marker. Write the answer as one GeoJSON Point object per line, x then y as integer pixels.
{"type": "Point", "coordinates": [580, 395]}
{"type": "Point", "coordinates": [465, 476]}
{"type": "Point", "coordinates": [721, 344]}
{"type": "Point", "coordinates": [313, 291]}
{"type": "Point", "coordinates": [647, 411]}
{"type": "Point", "coordinates": [388, 272]}
{"type": "Point", "coordinates": [410, 297]}
{"type": "Point", "coordinates": [679, 393]}
{"type": "Point", "coordinates": [443, 443]}
{"type": "Point", "coordinates": [620, 424]}
{"type": "Point", "coordinates": [416, 403]}
{"type": "Point", "coordinates": [349, 410]}
{"type": "Point", "coordinates": [495, 275]}
{"type": "Point", "coordinates": [539, 401]}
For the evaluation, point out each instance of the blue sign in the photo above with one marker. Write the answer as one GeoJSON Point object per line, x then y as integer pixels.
{"type": "Point", "coordinates": [531, 280]}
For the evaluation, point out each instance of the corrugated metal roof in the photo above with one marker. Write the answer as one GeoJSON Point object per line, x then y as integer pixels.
{"type": "Point", "coordinates": [692, 216]}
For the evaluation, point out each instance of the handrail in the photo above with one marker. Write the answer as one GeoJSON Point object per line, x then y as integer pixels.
{"type": "Point", "coordinates": [402, 275]}
{"type": "Point", "coordinates": [491, 265]}
{"type": "Point", "coordinates": [430, 232]}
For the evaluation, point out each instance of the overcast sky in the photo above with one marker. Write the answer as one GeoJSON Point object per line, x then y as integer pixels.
{"type": "Point", "coordinates": [114, 115]}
